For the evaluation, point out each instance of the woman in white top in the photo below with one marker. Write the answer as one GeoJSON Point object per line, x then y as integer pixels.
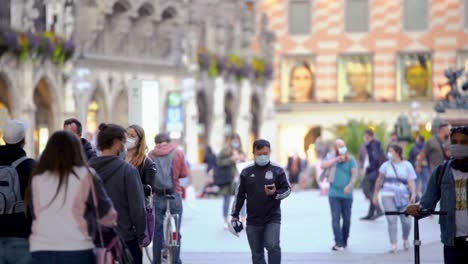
{"type": "Point", "coordinates": [397, 179]}
{"type": "Point", "coordinates": [63, 198]}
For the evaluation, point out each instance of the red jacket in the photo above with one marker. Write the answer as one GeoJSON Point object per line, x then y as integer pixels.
{"type": "Point", "coordinates": [179, 168]}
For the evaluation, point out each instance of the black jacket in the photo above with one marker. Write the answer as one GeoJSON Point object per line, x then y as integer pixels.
{"type": "Point", "coordinates": [123, 185]}
{"type": "Point", "coordinates": [376, 158]}
{"type": "Point", "coordinates": [261, 209]}
{"type": "Point", "coordinates": [16, 225]}
{"type": "Point", "coordinates": [88, 149]}
{"type": "Point", "coordinates": [147, 171]}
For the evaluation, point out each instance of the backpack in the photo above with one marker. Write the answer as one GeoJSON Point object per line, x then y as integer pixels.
{"type": "Point", "coordinates": [223, 176]}
{"type": "Point", "coordinates": [164, 180]}
{"type": "Point", "coordinates": [10, 193]}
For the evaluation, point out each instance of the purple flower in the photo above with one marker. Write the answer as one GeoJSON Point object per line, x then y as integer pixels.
{"type": "Point", "coordinates": [246, 69]}
{"type": "Point", "coordinates": [268, 71]}
{"type": "Point", "coordinates": [11, 40]}
{"type": "Point", "coordinates": [221, 64]}
{"type": "Point", "coordinates": [204, 60]}
{"type": "Point", "coordinates": [33, 40]}
{"type": "Point", "coordinates": [68, 47]}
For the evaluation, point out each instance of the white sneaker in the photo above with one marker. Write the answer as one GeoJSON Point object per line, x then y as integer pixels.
{"type": "Point", "coordinates": [393, 249]}
{"type": "Point", "coordinates": [337, 248]}
{"type": "Point", "coordinates": [406, 244]}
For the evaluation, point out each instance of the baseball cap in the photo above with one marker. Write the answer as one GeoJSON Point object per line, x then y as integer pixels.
{"type": "Point", "coordinates": [14, 131]}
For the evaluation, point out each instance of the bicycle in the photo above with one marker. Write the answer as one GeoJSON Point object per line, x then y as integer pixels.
{"type": "Point", "coordinates": [170, 233]}
{"type": "Point", "coordinates": [422, 214]}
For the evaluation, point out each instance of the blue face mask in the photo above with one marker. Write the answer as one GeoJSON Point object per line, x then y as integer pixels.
{"type": "Point", "coordinates": [235, 145]}
{"type": "Point", "coordinates": [342, 150]}
{"type": "Point", "coordinates": [262, 160]}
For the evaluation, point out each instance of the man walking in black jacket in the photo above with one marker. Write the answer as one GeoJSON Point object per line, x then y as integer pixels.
{"type": "Point", "coordinates": [15, 227]}
{"type": "Point", "coordinates": [375, 156]}
{"type": "Point", "coordinates": [264, 185]}
{"type": "Point", "coordinates": [74, 126]}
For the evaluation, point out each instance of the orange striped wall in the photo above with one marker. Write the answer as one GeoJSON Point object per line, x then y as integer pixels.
{"type": "Point", "coordinates": [384, 40]}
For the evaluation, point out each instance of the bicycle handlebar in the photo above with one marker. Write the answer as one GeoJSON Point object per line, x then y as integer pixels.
{"type": "Point", "coordinates": [422, 213]}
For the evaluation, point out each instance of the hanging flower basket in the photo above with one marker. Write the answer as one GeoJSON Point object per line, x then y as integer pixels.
{"type": "Point", "coordinates": [44, 45]}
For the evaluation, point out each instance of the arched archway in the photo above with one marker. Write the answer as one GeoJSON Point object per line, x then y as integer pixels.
{"type": "Point", "coordinates": [254, 120]}
{"type": "Point", "coordinates": [45, 114]}
{"type": "Point", "coordinates": [5, 104]}
{"type": "Point", "coordinates": [96, 112]}
{"type": "Point", "coordinates": [202, 107]}
{"type": "Point", "coordinates": [229, 106]}
{"type": "Point", "coordinates": [120, 113]}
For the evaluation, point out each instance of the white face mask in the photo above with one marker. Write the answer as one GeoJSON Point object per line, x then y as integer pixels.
{"type": "Point", "coordinates": [459, 151]}
{"type": "Point", "coordinates": [390, 156]}
{"type": "Point", "coordinates": [131, 143]}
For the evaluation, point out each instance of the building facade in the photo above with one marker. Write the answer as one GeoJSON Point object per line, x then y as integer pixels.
{"type": "Point", "coordinates": [363, 60]}
{"type": "Point", "coordinates": [121, 46]}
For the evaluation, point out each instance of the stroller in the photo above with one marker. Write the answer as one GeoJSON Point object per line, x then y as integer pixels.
{"type": "Point", "coordinates": [422, 214]}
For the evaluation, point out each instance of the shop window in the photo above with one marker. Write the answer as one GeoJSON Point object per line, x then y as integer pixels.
{"type": "Point", "coordinates": [355, 78]}
{"type": "Point", "coordinates": [298, 79]}
{"type": "Point", "coordinates": [414, 76]}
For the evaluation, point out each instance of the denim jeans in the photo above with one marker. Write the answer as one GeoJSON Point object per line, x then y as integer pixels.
{"type": "Point", "coordinates": [341, 209]}
{"type": "Point", "coordinates": [423, 178]}
{"type": "Point", "coordinates": [59, 257]}
{"type": "Point", "coordinates": [159, 212]}
{"type": "Point", "coordinates": [14, 250]}
{"type": "Point", "coordinates": [261, 237]}
{"type": "Point", "coordinates": [388, 203]}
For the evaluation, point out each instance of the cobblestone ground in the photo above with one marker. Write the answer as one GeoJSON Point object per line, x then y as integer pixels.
{"type": "Point", "coordinates": [306, 235]}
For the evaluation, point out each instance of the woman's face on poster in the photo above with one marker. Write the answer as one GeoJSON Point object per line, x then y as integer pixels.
{"type": "Point", "coordinates": [301, 84]}
{"type": "Point", "coordinates": [358, 80]}
{"type": "Point", "coordinates": [417, 79]}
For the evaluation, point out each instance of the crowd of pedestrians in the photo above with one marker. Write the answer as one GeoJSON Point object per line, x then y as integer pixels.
{"type": "Point", "coordinates": [77, 198]}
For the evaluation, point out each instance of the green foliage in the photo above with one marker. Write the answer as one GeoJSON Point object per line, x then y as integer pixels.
{"type": "Point", "coordinates": [353, 134]}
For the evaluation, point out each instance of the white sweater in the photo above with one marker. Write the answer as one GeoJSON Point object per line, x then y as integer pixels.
{"type": "Point", "coordinates": [61, 225]}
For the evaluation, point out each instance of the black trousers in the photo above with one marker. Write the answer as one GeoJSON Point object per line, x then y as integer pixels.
{"type": "Point", "coordinates": [135, 250]}
{"type": "Point", "coordinates": [368, 185]}
{"type": "Point", "coordinates": [457, 254]}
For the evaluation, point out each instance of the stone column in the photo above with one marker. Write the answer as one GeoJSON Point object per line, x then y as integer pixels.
{"type": "Point", "coordinates": [29, 115]}
{"type": "Point", "coordinates": [243, 116]}
{"type": "Point", "coordinates": [216, 139]}
{"type": "Point", "coordinates": [190, 119]}
{"type": "Point", "coordinates": [268, 127]}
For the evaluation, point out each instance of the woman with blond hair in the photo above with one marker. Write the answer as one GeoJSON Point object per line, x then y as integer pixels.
{"type": "Point", "coordinates": [136, 154]}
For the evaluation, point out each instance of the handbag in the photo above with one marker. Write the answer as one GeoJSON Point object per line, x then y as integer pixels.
{"type": "Point", "coordinates": [149, 232]}
{"type": "Point", "coordinates": [109, 246]}
{"type": "Point", "coordinates": [401, 197]}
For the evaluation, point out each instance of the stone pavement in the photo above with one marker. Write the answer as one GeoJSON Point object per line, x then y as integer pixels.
{"type": "Point", "coordinates": [306, 235]}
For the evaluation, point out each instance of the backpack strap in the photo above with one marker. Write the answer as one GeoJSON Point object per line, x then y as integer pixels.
{"type": "Point", "coordinates": [18, 161]}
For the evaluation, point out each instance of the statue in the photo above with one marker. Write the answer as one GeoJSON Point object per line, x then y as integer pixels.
{"type": "Point", "coordinates": [454, 99]}
{"type": "Point", "coordinates": [267, 39]}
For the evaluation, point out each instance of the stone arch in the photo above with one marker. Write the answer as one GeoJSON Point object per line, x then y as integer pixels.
{"type": "Point", "coordinates": [46, 115]}
{"type": "Point", "coordinates": [6, 97]}
{"type": "Point", "coordinates": [97, 111]}
{"type": "Point", "coordinates": [6, 103]}
{"type": "Point", "coordinates": [203, 122]}
{"type": "Point", "coordinates": [229, 109]}
{"type": "Point", "coordinates": [146, 9]}
{"type": "Point", "coordinates": [120, 109]}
